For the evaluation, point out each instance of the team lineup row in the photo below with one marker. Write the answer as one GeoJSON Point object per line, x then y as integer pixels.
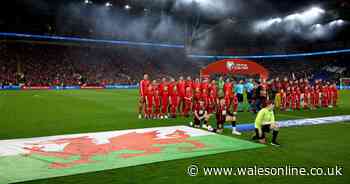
{"type": "Point", "coordinates": [171, 98]}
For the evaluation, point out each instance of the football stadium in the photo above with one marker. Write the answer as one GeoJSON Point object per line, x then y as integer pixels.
{"type": "Point", "coordinates": [174, 91]}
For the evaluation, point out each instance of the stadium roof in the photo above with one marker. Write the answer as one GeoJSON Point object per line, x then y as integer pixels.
{"type": "Point", "coordinates": [204, 23]}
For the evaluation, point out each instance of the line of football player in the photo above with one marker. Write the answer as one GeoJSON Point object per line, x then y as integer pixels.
{"type": "Point", "coordinates": [163, 99]}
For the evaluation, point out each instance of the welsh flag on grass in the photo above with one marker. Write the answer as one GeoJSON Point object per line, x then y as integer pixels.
{"type": "Point", "coordinates": [45, 157]}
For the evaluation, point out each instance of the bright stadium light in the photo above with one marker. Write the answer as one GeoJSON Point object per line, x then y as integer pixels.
{"type": "Point", "coordinates": [127, 7]}
{"type": "Point", "coordinates": [292, 21]}
{"type": "Point", "coordinates": [338, 22]}
{"type": "Point", "coordinates": [307, 17]}
{"type": "Point", "coordinates": [319, 31]}
{"type": "Point", "coordinates": [333, 23]}
{"type": "Point", "coordinates": [108, 4]}
{"type": "Point", "coordinates": [88, 2]}
{"type": "Point", "coordinates": [275, 20]}
{"type": "Point", "coordinates": [318, 25]}
{"type": "Point", "coordinates": [295, 16]}
{"type": "Point", "coordinates": [317, 10]}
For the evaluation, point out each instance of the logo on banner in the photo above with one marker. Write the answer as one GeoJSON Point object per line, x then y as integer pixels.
{"type": "Point", "coordinates": [230, 65]}
{"type": "Point", "coordinates": [236, 66]}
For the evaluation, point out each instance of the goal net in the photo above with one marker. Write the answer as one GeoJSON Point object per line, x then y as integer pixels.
{"type": "Point", "coordinates": [344, 83]}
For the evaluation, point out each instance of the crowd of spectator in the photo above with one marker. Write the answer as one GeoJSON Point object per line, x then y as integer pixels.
{"type": "Point", "coordinates": [330, 68]}
{"type": "Point", "coordinates": [55, 65]}
{"type": "Point", "coordinates": [43, 64]}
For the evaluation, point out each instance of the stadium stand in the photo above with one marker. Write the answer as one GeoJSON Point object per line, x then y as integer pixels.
{"type": "Point", "coordinates": [46, 65]}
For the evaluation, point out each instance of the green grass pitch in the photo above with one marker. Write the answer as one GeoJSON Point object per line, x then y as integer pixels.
{"type": "Point", "coordinates": [26, 114]}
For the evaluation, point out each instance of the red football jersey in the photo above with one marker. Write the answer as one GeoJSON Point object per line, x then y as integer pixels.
{"type": "Point", "coordinates": [205, 97]}
{"type": "Point", "coordinates": [174, 98]}
{"type": "Point", "coordinates": [149, 95]}
{"type": "Point", "coordinates": [213, 93]}
{"type": "Point", "coordinates": [197, 95]}
{"type": "Point", "coordinates": [189, 96]}
{"type": "Point", "coordinates": [221, 113]}
{"type": "Point", "coordinates": [335, 91]}
{"type": "Point", "coordinates": [197, 85]}
{"type": "Point", "coordinates": [155, 87]}
{"type": "Point", "coordinates": [205, 86]}
{"type": "Point", "coordinates": [213, 88]}
{"type": "Point", "coordinates": [189, 83]}
{"type": "Point", "coordinates": [181, 87]}
{"type": "Point", "coordinates": [162, 85]}
{"type": "Point", "coordinates": [171, 86]}
{"type": "Point", "coordinates": [143, 87]}
{"type": "Point", "coordinates": [165, 97]}
{"type": "Point", "coordinates": [278, 86]}
{"type": "Point", "coordinates": [227, 99]}
{"type": "Point", "coordinates": [200, 110]}
{"type": "Point", "coordinates": [212, 97]}
{"type": "Point", "coordinates": [228, 88]}
{"type": "Point", "coordinates": [285, 85]}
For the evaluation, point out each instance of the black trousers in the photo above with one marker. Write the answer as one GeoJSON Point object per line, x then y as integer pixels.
{"type": "Point", "coordinates": [249, 97]}
{"type": "Point", "coordinates": [264, 129]}
{"type": "Point", "coordinates": [240, 97]}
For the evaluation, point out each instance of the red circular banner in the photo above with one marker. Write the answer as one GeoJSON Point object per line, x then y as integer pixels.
{"type": "Point", "coordinates": [235, 66]}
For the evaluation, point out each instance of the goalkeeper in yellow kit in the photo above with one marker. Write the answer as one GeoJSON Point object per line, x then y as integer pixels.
{"type": "Point", "coordinates": [264, 122]}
